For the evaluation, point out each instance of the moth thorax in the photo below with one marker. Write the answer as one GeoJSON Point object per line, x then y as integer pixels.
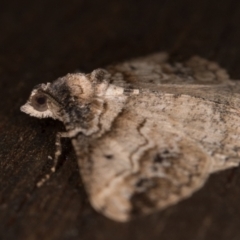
{"type": "Point", "coordinates": [80, 85]}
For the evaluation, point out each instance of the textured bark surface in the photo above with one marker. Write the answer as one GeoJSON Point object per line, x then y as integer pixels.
{"type": "Point", "coordinates": [42, 40]}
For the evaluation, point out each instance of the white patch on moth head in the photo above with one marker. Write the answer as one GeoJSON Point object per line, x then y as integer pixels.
{"type": "Point", "coordinates": [114, 91]}
{"type": "Point", "coordinates": [29, 109]}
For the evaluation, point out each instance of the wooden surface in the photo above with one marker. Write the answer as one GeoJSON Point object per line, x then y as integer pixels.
{"type": "Point", "coordinates": [42, 40]}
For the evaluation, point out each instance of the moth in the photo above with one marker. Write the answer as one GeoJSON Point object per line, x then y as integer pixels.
{"type": "Point", "coordinates": [147, 132]}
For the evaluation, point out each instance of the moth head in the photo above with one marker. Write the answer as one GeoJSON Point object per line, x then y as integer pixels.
{"type": "Point", "coordinates": [41, 103]}
{"type": "Point", "coordinates": [71, 93]}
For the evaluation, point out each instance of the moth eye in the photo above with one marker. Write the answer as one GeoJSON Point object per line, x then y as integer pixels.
{"type": "Point", "coordinates": [39, 102]}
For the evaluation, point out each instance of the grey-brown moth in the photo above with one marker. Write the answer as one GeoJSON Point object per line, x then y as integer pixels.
{"type": "Point", "coordinates": [147, 133]}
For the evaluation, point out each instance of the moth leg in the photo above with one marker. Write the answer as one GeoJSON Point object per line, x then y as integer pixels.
{"type": "Point", "coordinates": [58, 152]}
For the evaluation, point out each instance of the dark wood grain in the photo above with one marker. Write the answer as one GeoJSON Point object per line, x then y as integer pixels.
{"type": "Point", "coordinates": [42, 40]}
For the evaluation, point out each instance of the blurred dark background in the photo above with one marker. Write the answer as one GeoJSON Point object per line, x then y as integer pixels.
{"type": "Point", "coordinates": [42, 40]}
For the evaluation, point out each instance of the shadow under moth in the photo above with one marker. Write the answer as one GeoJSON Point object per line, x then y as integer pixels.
{"type": "Point", "coordinates": [147, 133]}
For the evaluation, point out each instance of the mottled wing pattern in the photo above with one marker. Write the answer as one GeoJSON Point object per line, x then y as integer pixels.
{"type": "Point", "coordinates": [151, 158]}
{"type": "Point", "coordinates": [155, 69]}
{"type": "Point", "coordinates": [140, 166]}
{"type": "Point", "coordinates": [162, 146]}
